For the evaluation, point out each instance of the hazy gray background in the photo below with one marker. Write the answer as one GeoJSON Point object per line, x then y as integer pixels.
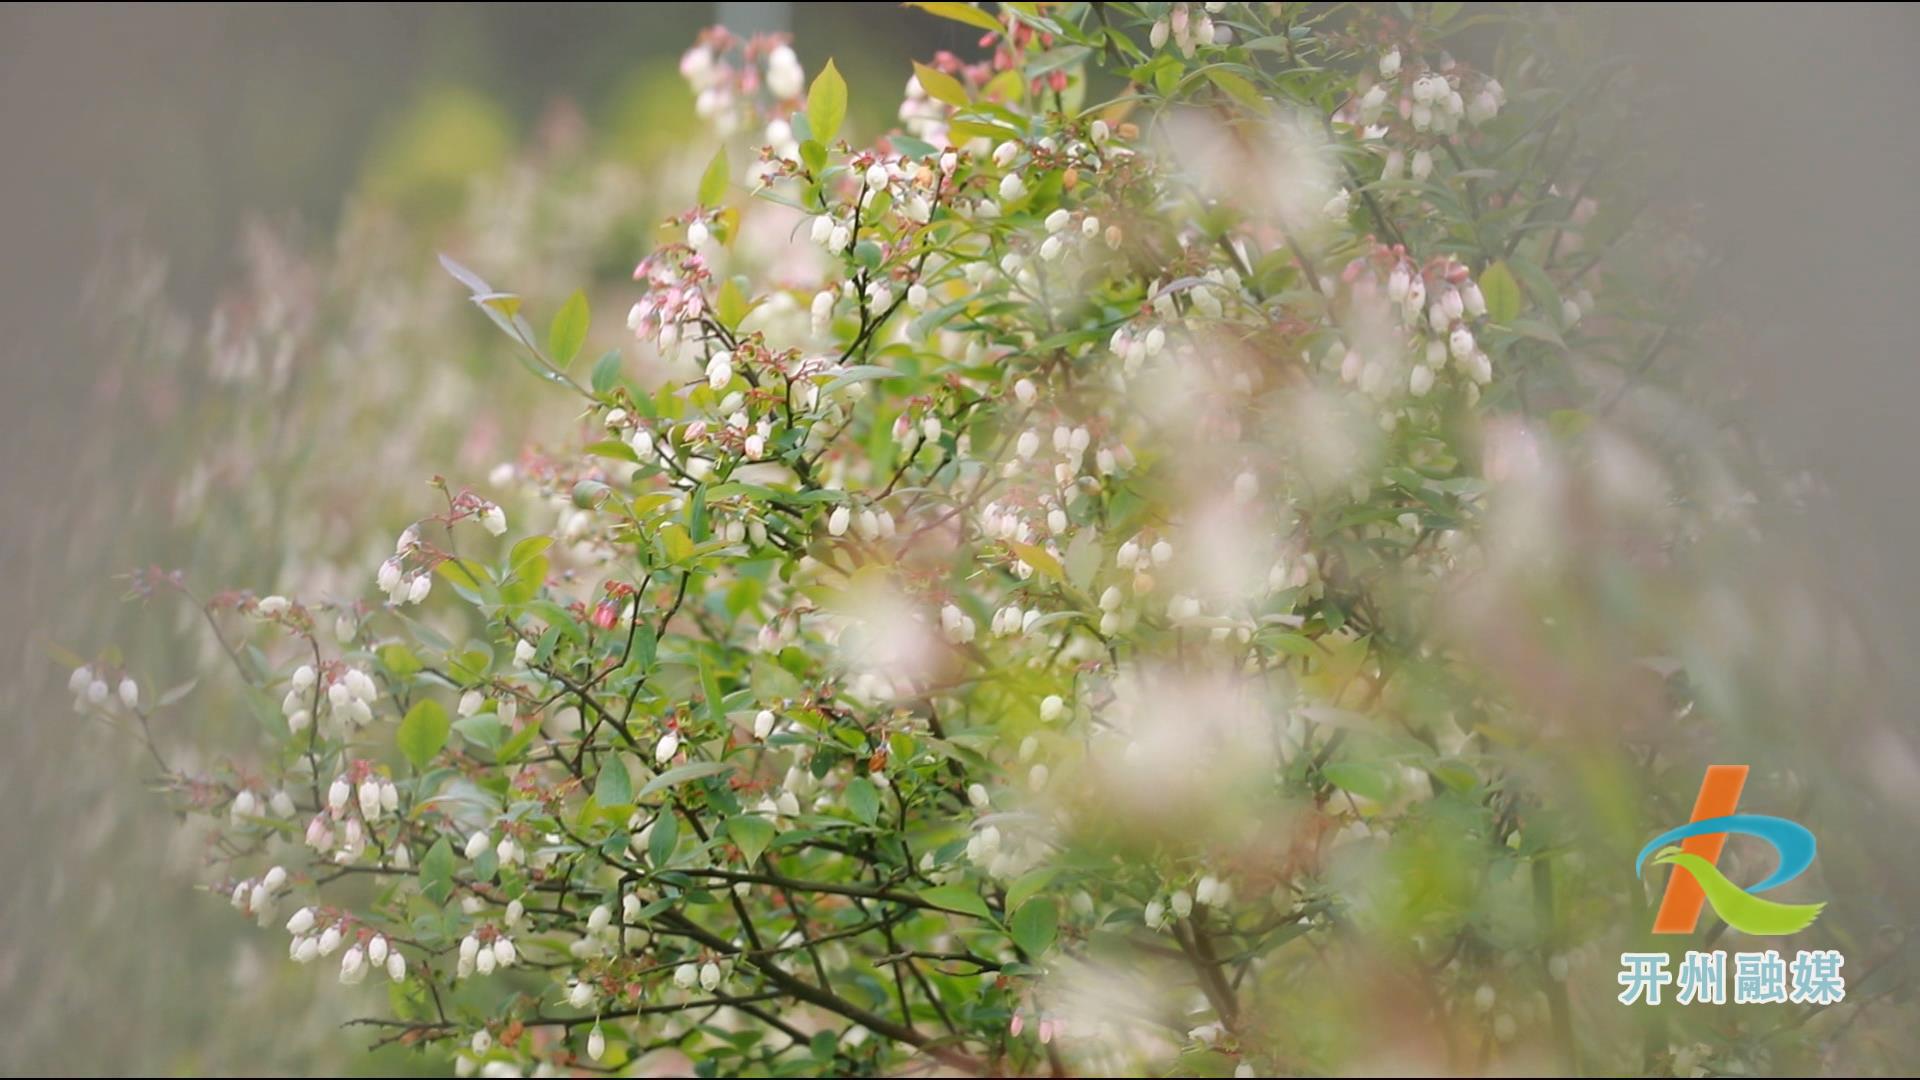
{"type": "Point", "coordinates": [1792, 127]}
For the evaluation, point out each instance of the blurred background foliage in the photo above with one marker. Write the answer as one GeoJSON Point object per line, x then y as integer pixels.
{"type": "Point", "coordinates": [239, 191]}
{"type": "Point", "coordinates": [214, 198]}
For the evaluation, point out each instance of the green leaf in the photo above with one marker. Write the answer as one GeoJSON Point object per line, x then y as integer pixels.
{"type": "Point", "coordinates": [606, 372]}
{"type": "Point", "coordinates": [423, 732]}
{"type": "Point", "coordinates": [436, 872]}
{"type": "Point", "coordinates": [1502, 293]}
{"type": "Point", "coordinates": [863, 799]}
{"type": "Point", "coordinates": [813, 156]}
{"type": "Point", "coordinates": [710, 689]}
{"type": "Point", "coordinates": [588, 494]}
{"type": "Point", "coordinates": [558, 619]}
{"type": "Point", "coordinates": [1455, 774]}
{"type": "Point", "coordinates": [569, 330]}
{"type": "Point", "coordinates": [825, 1046]}
{"type": "Point", "coordinates": [1569, 423]}
{"type": "Point", "coordinates": [1538, 331]}
{"type": "Point", "coordinates": [675, 544]}
{"type": "Point", "coordinates": [1028, 884]}
{"type": "Point", "coordinates": [661, 842]}
{"type": "Point", "coordinates": [911, 147]}
{"type": "Point", "coordinates": [505, 304]}
{"type": "Point", "coordinates": [827, 104]}
{"type": "Point", "coordinates": [1238, 88]}
{"type": "Point", "coordinates": [400, 660]}
{"type": "Point", "coordinates": [526, 569]}
{"type": "Point", "coordinates": [470, 666]}
{"type": "Point", "coordinates": [611, 448]}
{"type": "Point", "coordinates": [1035, 925]}
{"type": "Point", "coordinates": [941, 86]}
{"type": "Point", "coordinates": [1536, 284]}
{"type": "Point", "coordinates": [965, 129]}
{"type": "Point", "coordinates": [1055, 59]}
{"type": "Point", "coordinates": [614, 787]}
{"type": "Point", "coordinates": [960, 13]}
{"type": "Point", "coordinates": [457, 574]}
{"type": "Point", "coordinates": [713, 182]}
{"type": "Point", "coordinates": [731, 305]}
{"type": "Point", "coordinates": [482, 729]}
{"type": "Point", "coordinates": [514, 747]}
{"type": "Point", "coordinates": [751, 835]}
{"type": "Point", "coordinates": [527, 552]}
{"type": "Point", "coordinates": [1038, 558]}
{"type": "Point", "coordinates": [956, 898]}
{"type": "Point", "coordinates": [1366, 781]}
{"type": "Point", "coordinates": [680, 774]}
{"type": "Point", "coordinates": [858, 373]}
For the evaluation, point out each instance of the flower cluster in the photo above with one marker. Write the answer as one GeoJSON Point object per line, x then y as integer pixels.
{"type": "Point", "coordinates": [998, 548]}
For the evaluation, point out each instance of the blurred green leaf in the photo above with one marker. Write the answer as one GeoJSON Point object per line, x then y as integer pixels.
{"type": "Point", "coordinates": [960, 13]}
{"type": "Point", "coordinates": [1501, 292]}
{"type": "Point", "coordinates": [941, 86]}
{"type": "Point", "coordinates": [423, 732]}
{"type": "Point", "coordinates": [1367, 780]}
{"type": "Point", "coordinates": [731, 305]}
{"type": "Point", "coordinates": [1035, 925]}
{"type": "Point", "coordinates": [1237, 87]}
{"type": "Point", "coordinates": [400, 660]}
{"type": "Point", "coordinates": [1038, 558]}
{"type": "Point", "coordinates": [855, 374]}
{"type": "Point", "coordinates": [713, 182]}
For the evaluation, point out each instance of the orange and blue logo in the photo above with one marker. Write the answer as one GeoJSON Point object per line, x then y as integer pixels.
{"type": "Point", "coordinates": [1696, 880]}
